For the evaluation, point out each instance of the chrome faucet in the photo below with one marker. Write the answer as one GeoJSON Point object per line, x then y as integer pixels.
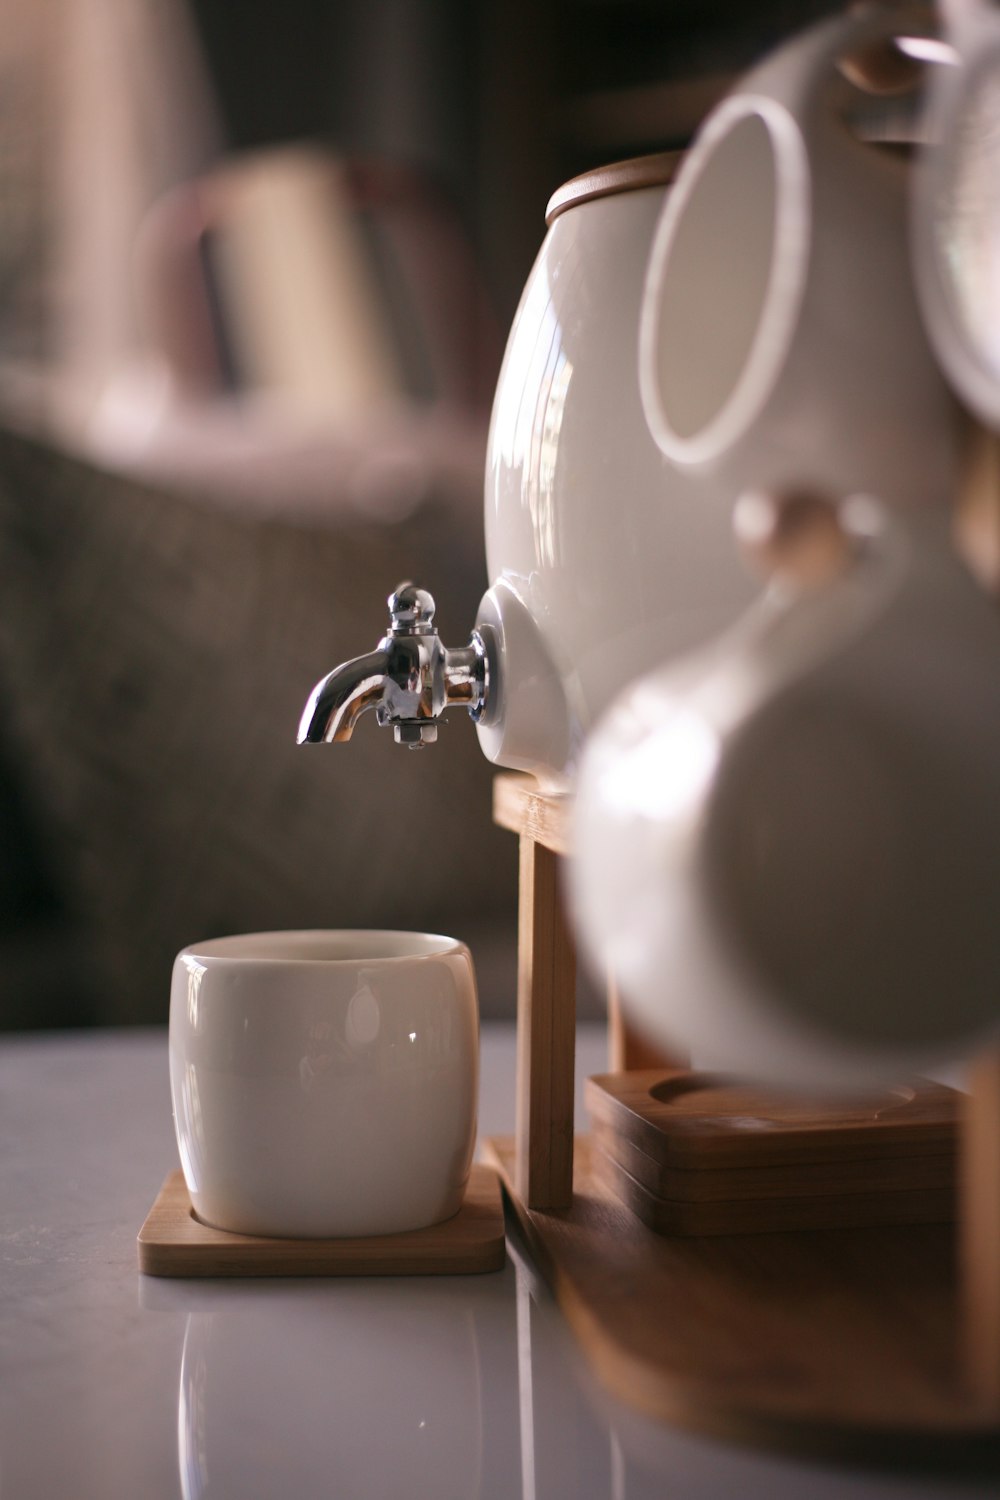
{"type": "Point", "coordinates": [409, 680]}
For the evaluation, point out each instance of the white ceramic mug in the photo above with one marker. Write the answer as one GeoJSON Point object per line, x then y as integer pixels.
{"type": "Point", "coordinates": [325, 1083]}
{"type": "Point", "coordinates": [780, 340]}
{"type": "Point", "coordinates": [956, 206]}
{"type": "Point", "coordinates": [786, 848]}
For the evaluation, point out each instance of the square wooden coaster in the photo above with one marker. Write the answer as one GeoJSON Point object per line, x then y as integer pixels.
{"type": "Point", "coordinates": [698, 1154]}
{"type": "Point", "coordinates": [702, 1122]}
{"type": "Point", "coordinates": [172, 1242]}
{"type": "Point", "coordinates": [929, 1203]}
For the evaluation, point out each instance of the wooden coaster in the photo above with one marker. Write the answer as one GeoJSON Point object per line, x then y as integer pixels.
{"type": "Point", "coordinates": [875, 1174]}
{"type": "Point", "coordinates": [705, 1122]}
{"type": "Point", "coordinates": [172, 1242]}
{"type": "Point", "coordinates": [925, 1202]}
{"type": "Point", "coordinates": [694, 1153]}
{"type": "Point", "coordinates": [829, 1342]}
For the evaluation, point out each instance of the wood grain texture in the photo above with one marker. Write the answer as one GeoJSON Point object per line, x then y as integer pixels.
{"type": "Point", "coordinates": [520, 806]}
{"type": "Point", "coordinates": [874, 1174]}
{"type": "Point", "coordinates": [546, 1033]}
{"type": "Point", "coordinates": [708, 1122]}
{"type": "Point", "coordinates": [930, 1202]}
{"type": "Point", "coordinates": [980, 1248]}
{"type": "Point", "coordinates": [172, 1242]}
{"type": "Point", "coordinates": [829, 1341]}
{"type": "Point", "coordinates": [654, 170]}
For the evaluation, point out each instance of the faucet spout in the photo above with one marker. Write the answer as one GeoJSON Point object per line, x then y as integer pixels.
{"type": "Point", "coordinates": [410, 680]}
{"type": "Point", "coordinates": [337, 702]}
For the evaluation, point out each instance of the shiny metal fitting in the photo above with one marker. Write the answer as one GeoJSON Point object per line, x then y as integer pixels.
{"type": "Point", "coordinates": [409, 680]}
{"type": "Point", "coordinates": [415, 735]}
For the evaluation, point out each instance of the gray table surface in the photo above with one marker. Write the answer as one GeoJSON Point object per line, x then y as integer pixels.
{"type": "Point", "coordinates": [113, 1384]}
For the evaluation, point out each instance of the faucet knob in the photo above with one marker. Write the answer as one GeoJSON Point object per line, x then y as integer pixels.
{"type": "Point", "coordinates": [411, 610]}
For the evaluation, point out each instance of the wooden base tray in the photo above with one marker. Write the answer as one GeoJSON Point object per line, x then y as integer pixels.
{"type": "Point", "coordinates": [172, 1242]}
{"type": "Point", "coordinates": [840, 1339]}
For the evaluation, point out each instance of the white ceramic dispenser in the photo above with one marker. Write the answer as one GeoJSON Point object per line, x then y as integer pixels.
{"type": "Point", "coordinates": [604, 560]}
{"type": "Point", "coordinates": [772, 760]}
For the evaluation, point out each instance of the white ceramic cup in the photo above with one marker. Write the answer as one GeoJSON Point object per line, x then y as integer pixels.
{"type": "Point", "coordinates": [780, 340]}
{"type": "Point", "coordinates": [325, 1083]}
{"type": "Point", "coordinates": [786, 848]}
{"type": "Point", "coordinates": [956, 207]}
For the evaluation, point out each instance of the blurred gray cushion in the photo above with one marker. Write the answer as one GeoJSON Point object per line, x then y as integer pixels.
{"type": "Point", "coordinates": [155, 654]}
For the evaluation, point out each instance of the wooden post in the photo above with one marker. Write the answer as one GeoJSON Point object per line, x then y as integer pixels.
{"type": "Point", "coordinates": [628, 1049]}
{"type": "Point", "coordinates": [546, 1034]}
{"type": "Point", "coordinates": [980, 1231]}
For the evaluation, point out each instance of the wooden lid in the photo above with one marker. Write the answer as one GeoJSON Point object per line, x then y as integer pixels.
{"type": "Point", "coordinates": [617, 177]}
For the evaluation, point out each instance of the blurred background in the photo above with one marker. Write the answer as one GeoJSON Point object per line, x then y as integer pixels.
{"type": "Point", "coordinates": [257, 264]}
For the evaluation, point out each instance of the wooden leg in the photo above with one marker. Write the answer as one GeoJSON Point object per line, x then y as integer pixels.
{"type": "Point", "coordinates": [546, 1035]}
{"type": "Point", "coordinates": [628, 1050]}
{"type": "Point", "coordinates": [980, 1229]}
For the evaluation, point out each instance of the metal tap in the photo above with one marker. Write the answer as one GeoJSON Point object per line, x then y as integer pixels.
{"type": "Point", "coordinates": [409, 680]}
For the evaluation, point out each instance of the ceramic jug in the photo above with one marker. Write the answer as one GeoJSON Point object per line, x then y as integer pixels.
{"type": "Point", "coordinates": [603, 559]}
{"type": "Point", "coordinates": [781, 341]}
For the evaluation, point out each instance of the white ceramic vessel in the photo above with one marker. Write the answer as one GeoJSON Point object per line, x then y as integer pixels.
{"type": "Point", "coordinates": [786, 847]}
{"type": "Point", "coordinates": [779, 346]}
{"type": "Point", "coordinates": [785, 844]}
{"type": "Point", "coordinates": [956, 207]}
{"type": "Point", "coordinates": [604, 561]}
{"type": "Point", "coordinates": [781, 340]}
{"type": "Point", "coordinates": [325, 1083]}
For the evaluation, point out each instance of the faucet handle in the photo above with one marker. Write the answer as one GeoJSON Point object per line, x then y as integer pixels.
{"type": "Point", "coordinates": [411, 610]}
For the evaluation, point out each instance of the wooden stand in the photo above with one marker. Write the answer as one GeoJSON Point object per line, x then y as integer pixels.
{"type": "Point", "coordinates": [832, 1336]}
{"type": "Point", "coordinates": [546, 1000]}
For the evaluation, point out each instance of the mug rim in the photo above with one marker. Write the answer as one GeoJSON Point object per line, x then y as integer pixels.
{"type": "Point", "coordinates": [365, 945]}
